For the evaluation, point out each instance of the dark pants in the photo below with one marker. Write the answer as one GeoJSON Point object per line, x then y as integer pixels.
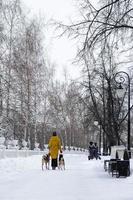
{"type": "Point", "coordinates": [54, 163]}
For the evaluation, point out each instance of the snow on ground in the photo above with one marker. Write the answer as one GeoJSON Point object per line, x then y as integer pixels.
{"type": "Point", "coordinates": [23, 179]}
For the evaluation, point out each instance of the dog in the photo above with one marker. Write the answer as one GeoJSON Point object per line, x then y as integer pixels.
{"type": "Point", "coordinates": [46, 161]}
{"type": "Point", "coordinates": [61, 162]}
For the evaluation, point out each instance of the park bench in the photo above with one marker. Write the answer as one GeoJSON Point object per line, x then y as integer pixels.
{"type": "Point", "coordinates": [118, 167]}
{"type": "Point", "coordinates": [123, 168]}
{"type": "Point", "coordinates": [112, 166]}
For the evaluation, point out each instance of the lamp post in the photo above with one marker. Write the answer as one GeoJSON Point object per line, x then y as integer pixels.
{"type": "Point", "coordinates": [100, 134]}
{"type": "Point", "coordinates": [119, 79]}
{"type": "Point", "coordinates": [99, 127]}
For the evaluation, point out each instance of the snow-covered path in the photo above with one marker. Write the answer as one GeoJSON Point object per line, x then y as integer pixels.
{"type": "Point", "coordinates": [23, 179]}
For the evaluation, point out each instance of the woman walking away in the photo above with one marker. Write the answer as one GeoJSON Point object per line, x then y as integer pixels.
{"type": "Point", "coordinates": [54, 148]}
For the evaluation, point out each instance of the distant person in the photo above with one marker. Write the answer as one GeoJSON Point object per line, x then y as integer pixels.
{"type": "Point", "coordinates": [54, 148]}
{"type": "Point", "coordinates": [96, 155]}
{"type": "Point", "coordinates": [91, 150]}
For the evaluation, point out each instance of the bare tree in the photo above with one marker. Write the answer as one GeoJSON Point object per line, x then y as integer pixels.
{"type": "Point", "coordinates": [104, 32]}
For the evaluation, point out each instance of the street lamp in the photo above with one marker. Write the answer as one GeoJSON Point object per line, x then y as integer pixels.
{"type": "Point", "coordinates": [99, 127]}
{"type": "Point", "coordinates": [119, 79]}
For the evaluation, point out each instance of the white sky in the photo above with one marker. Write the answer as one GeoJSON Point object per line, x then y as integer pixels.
{"type": "Point", "coordinates": [61, 51]}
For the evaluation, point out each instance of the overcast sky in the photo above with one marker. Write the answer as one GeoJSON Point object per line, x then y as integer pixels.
{"type": "Point", "coordinates": [61, 51]}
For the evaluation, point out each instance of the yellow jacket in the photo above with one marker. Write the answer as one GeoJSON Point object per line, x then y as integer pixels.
{"type": "Point", "coordinates": [54, 146]}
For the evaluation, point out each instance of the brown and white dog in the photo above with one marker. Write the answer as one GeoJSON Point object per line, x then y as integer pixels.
{"type": "Point", "coordinates": [61, 162]}
{"type": "Point", "coordinates": [46, 161]}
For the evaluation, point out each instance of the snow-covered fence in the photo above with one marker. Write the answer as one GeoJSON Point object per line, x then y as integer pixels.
{"type": "Point", "coordinates": [11, 150]}
{"type": "Point", "coordinates": [12, 153]}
